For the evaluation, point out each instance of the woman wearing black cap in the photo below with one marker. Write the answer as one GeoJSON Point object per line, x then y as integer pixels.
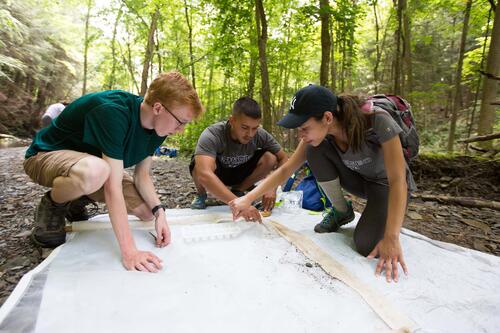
{"type": "Point", "coordinates": [347, 147]}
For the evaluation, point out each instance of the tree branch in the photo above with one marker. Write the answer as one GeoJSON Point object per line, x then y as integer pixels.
{"type": "Point", "coordinates": [481, 138]}
{"type": "Point", "coordinates": [462, 201]}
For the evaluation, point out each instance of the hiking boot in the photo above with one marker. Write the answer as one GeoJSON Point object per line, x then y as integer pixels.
{"type": "Point", "coordinates": [49, 223]}
{"type": "Point", "coordinates": [77, 210]}
{"type": "Point", "coordinates": [333, 220]}
{"type": "Point", "coordinates": [199, 202]}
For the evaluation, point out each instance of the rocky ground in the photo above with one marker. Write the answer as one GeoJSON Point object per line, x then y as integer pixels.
{"type": "Point", "coordinates": [476, 228]}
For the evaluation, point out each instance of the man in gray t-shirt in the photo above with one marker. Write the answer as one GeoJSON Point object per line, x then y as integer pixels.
{"type": "Point", "coordinates": [235, 153]}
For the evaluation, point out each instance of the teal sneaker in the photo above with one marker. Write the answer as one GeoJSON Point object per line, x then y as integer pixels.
{"type": "Point", "coordinates": [333, 220]}
{"type": "Point", "coordinates": [199, 202]}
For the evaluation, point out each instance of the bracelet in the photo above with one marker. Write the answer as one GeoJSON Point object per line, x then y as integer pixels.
{"type": "Point", "coordinates": [157, 207]}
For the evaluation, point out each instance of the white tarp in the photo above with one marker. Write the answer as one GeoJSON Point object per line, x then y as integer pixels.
{"type": "Point", "coordinates": [253, 282]}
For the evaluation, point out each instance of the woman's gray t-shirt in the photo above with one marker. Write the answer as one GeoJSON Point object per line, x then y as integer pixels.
{"type": "Point", "coordinates": [369, 160]}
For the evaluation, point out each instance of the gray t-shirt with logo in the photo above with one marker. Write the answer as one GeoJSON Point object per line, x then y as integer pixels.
{"type": "Point", "coordinates": [369, 160]}
{"type": "Point", "coordinates": [216, 141]}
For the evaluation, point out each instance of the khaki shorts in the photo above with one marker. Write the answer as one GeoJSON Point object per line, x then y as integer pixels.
{"type": "Point", "coordinates": [44, 167]}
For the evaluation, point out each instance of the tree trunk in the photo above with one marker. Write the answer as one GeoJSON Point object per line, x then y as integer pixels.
{"type": "Point", "coordinates": [333, 67]}
{"type": "Point", "coordinates": [149, 52]}
{"type": "Point", "coordinates": [490, 86]}
{"type": "Point", "coordinates": [449, 92]}
{"type": "Point", "coordinates": [350, 58]}
{"type": "Point", "coordinates": [479, 78]}
{"type": "Point", "coordinates": [407, 82]}
{"type": "Point", "coordinates": [128, 62]}
{"type": "Point", "coordinates": [397, 54]}
{"type": "Point", "coordinates": [251, 74]}
{"type": "Point", "coordinates": [191, 56]}
{"type": "Point", "coordinates": [86, 47]}
{"type": "Point", "coordinates": [377, 46]}
{"type": "Point", "coordinates": [324, 13]}
{"type": "Point", "coordinates": [210, 92]}
{"type": "Point", "coordinates": [344, 60]}
{"type": "Point", "coordinates": [261, 22]}
{"type": "Point", "coordinates": [111, 81]}
{"type": "Point", "coordinates": [458, 78]}
{"type": "Point", "coordinates": [158, 54]}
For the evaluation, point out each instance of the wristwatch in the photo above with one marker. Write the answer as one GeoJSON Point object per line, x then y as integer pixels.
{"type": "Point", "coordinates": [155, 208]}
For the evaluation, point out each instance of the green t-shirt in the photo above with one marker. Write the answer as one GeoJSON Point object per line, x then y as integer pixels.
{"type": "Point", "coordinates": [106, 122]}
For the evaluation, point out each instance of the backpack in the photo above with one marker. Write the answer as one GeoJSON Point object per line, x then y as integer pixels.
{"type": "Point", "coordinates": [400, 110]}
{"type": "Point", "coordinates": [314, 198]}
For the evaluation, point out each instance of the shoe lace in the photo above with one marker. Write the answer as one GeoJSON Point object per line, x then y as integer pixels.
{"type": "Point", "coordinates": [93, 209]}
{"type": "Point", "coordinates": [83, 202]}
{"type": "Point", "coordinates": [328, 215]}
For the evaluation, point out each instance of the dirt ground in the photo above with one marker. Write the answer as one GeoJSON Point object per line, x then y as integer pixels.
{"type": "Point", "coordinates": [476, 228]}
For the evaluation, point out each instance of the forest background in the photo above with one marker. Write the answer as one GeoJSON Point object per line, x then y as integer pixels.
{"type": "Point", "coordinates": [432, 52]}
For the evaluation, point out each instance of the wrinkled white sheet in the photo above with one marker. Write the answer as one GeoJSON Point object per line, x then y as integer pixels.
{"type": "Point", "coordinates": [253, 282]}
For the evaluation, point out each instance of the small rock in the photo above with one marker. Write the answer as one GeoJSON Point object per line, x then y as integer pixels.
{"type": "Point", "coordinates": [46, 252]}
{"type": "Point", "coordinates": [492, 246]}
{"type": "Point", "coordinates": [23, 234]}
{"type": "Point", "coordinates": [308, 264]}
{"type": "Point", "coordinates": [445, 179]}
{"type": "Point", "coordinates": [12, 279]}
{"type": "Point", "coordinates": [477, 224]}
{"type": "Point", "coordinates": [16, 262]}
{"type": "Point", "coordinates": [480, 245]}
{"type": "Point", "coordinates": [414, 215]}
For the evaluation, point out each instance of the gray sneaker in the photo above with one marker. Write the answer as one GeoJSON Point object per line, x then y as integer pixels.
{"type": "Point", "coordinates": [77, 210]}
{"type": "Point", "coordinates": [49, 223]}
{"type": "Point", "coordinates": [199, 202]}
{"type": "Point", "coordinates": [333, 220]}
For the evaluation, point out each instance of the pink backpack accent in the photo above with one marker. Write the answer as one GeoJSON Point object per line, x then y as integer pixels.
{"type": "Point", "coordinates": [400, 110]}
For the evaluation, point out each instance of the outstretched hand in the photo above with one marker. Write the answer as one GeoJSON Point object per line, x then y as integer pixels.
{"type": "Point", "coordinates": [390, 254]}
{"type": "Point", "coordinates": [238, 206]}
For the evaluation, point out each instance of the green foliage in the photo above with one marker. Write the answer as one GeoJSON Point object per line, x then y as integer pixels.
{"type": "Point", "coordinates": [41, 42]}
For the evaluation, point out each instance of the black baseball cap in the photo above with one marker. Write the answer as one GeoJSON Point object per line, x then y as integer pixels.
{"type": "Point", "coordinates": [309, 101]}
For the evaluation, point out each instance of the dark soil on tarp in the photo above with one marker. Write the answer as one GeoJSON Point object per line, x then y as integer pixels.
{"type": "Point", "coordinates": [469, 227]}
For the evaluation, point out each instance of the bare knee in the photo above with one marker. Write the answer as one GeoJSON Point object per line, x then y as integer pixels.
{"type": "Point", "coordinates": [91, 173]}
{"type": "Point", "coordinates": [142, 212]}
{"type": "Point", "coordinates": [268, 161]}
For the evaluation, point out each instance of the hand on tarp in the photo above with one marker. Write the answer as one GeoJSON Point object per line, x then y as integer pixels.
{"type": "Point", "coordinates": [390, 254]}
{"type": "Point", "coordinates": [241, 208]}
{"type": "Point", "coordinates": [251, 214]}
{"type": "Point", "coordinates": [268, 200]}
{"type": "Point", "coordinates": [141, 261]}
{"type": "Point", "coordinates": [238, 205]}
{"type": "Point", "coordinates": [162, 229]}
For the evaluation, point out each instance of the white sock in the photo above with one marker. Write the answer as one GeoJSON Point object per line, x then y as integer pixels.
{"type": "Point", "coordinates": [333, 191]}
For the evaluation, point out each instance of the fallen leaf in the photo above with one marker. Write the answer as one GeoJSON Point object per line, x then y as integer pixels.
{"type": "Point", "coordinates": [414, 216]}
{"type": "Point", "coordinates": [480, 225]}
{"type": "Point", "coordinates": [480, 245]}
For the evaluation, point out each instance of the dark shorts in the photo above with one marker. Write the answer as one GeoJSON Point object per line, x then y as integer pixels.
{"type": "Point", "coordinates": [236, 175]}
